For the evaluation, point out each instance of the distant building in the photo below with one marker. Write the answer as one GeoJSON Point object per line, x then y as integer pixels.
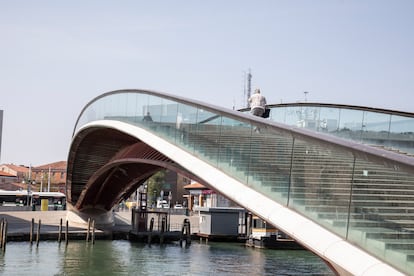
{"type": "Point", "coordinates": [7, 181]}
{"type": "Point", "coordinates": [55, 172]}
{"type": "Point", "coordinates": [201, 196]}
{"type": "Point", "coordinates": [219, 217]}
{"type": "Point", "coordinates": [39, 176]}
{"type": "Point", "coordinates": [173, 183]}
{"type": "Point", "coordinates": [20, 172]}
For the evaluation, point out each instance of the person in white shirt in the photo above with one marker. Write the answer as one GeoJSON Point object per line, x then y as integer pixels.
{"type": "Point", "coordinates": [257, 103]}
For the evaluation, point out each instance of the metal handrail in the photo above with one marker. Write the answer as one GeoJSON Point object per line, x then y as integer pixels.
{"type": "Point", "coordinates": [391, 159]}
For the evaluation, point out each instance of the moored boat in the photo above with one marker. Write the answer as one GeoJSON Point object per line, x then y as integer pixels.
{"type": "Point", "coordinates": [265, 235]}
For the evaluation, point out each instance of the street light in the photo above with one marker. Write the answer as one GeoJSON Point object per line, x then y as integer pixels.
{"type": "Point", "coordinates": [41, 182]}
{"type": "Point", "coordinates": [29, 182]}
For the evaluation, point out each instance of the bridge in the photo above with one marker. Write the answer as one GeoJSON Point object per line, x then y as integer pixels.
{"type": "Point", "coordinates": [350, 203]}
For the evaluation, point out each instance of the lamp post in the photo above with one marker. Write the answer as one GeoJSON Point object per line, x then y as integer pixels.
{"type": "Point", "coordinates": [48, 181]}
{"type": "Point", "coordinates": [41, 182]}
{"type": "Point", "coordinates": [306, 96]}
{"type": "Point", "coordinates": [29, 182]}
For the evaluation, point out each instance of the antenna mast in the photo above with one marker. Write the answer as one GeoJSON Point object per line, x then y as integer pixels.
{"type": "Point", "coordinates": [249, 87]}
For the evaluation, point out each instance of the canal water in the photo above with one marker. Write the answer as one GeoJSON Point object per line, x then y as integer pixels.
{"type": "Point", "coordinates": [120, 257]}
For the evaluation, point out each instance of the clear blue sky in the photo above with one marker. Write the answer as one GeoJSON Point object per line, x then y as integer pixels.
{"type": "Point", "coordinates": [55, 56]}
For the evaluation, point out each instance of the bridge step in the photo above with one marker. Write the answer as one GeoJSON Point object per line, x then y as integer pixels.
{"type": "Point", "coordinates": [321, 185]}
{"type": "Point", "coordinates": [368, 216]}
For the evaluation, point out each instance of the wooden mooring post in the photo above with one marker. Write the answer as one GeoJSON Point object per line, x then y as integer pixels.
{"type": "Point", "coordinates": [60, 231]}
{"type": "Point", "coordinates": [38, 233]}
{"type": "Point", "coordinates": [93, 231]}
{"type": "Point", "coordinates": [3, 234]}
{"type": "Point", "coordinates": [163, 226]}
{"type": "Point", "coordinates": [89, 230]}
{"type": "Point", "coordinates": [150, 231]}
{"type": "Point", "coordinates": [67, 232]}
{"type": "Point", "coordinates": [32, 223]}
{"type": "Point", "coordinates": [185, 238]}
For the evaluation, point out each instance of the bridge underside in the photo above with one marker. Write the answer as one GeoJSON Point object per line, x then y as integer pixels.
{"type": "Point", "coordinates": [106, 166]}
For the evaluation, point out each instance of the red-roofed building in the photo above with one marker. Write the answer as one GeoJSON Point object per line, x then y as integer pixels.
{"type": "Point", "coordinates": [39, 176]}
{"type": "Point", "coordinates": [56, 172]}
{"type": "Point", "coordinates": [195, 197]}
{"type": "Point", "coordinates": [202, 196]}
{"type": "Point", "coordinates": [20, 172]}
{"type": "Point", "coordinates": [7, 181]}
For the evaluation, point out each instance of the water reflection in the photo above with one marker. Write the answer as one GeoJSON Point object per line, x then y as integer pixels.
{"type": "Point", "coordinates": [125, 258]}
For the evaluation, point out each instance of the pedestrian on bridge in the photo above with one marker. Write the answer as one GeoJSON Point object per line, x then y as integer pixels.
{"type": "Point", "coordinates": [257, 103]}
{"type": "Point", "coordinates": [147, 118]}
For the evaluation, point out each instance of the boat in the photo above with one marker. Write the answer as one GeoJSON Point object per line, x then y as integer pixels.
{"type": "Point", "coordinates": [265, 235]}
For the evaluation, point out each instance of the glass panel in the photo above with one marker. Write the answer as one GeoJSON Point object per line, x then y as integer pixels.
{"type": "Point", "coordinates": [278, 114]}
{"type": "Point", "coordinates": [358, 125]}
{"type": "Point", "coordinates": [115, 106]}
{"type": "Point", "coordinates": [375, 128]}
{"type": "Point", "coordinates": [90, 114]}
{"type": "Point", "coordinates": [321, 184]}
{"type": "Point", "coordinates": [164, 114]}
{"type": "Point", "coordinates": [269, 163]}
{"type": "Point", "coordinates": [234, 148]}
{"type": "Point", "coordinates": [402, 134]}
{"type": "Point", "coordinates": [207, 135]}
{"type": "Point", "coordinates": [94, 111]}
{"type": "Point", "coordinates": [122, 105]}
{"type": "Point", "coordinates": [109, 105]}
{"type": "Point", "coordinates": [186, 120]}
{"type": "Point", "coordinates": [382, 213]}
{"type": "Point", "coordinates": [350, 124]}
{"type": "Point", "coordinates": [162, 110]}
{"type": "Point", "coordinates": [309, 118]}
{"type": "Point", "coordinates": [142, 113]}
{"type": "Point", "coordinates": [294, 116]}
{"type": "Point", "coordinates": [131, 108]}
{"type": "Point", "coordinates": [329, 119]}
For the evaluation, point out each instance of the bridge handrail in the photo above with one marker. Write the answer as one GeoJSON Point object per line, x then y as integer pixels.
{"type": "Point", "coordinates": [341, 106]}
{"type": "Point", "coordinates": [390, 129]}
{"type": "Point", "coordinates": [357, 149]}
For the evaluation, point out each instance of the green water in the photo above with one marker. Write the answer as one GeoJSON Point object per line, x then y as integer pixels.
{"type": "Point", "coordinates": [125, 258]}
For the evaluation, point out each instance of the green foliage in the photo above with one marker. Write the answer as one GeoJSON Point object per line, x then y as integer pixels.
{"type": "Point", "coordinates": [155, 184]}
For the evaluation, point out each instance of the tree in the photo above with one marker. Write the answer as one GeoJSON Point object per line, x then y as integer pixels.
{"type": "Point", "coordinates": [155, 184]}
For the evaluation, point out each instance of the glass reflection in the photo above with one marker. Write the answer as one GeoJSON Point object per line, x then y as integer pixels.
{"type": "Point", "coordinates": [367, 126]}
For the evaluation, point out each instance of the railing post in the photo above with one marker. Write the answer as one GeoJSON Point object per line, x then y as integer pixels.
{"type": "Point", "coordinates": [350, 199]}
{"type": "Point", "coordinates": [292, 152]}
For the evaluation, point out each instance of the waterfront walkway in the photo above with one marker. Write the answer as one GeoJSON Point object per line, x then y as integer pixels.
{"type": "Point", "coordinates": [19, 225]}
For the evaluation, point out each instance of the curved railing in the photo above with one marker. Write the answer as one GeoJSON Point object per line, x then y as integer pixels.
{"type": "Point", "coordinates": [381, 127]}
{"type": "Point", "coordinates": [361, 193]}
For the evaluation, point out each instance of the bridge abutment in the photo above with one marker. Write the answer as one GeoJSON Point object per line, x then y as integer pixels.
{"type": "Point", "coordinates": [80, 218]}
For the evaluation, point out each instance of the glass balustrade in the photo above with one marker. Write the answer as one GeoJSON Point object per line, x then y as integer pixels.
{"type": "Point", "coordinates": [369, 202]}
{"type": "Point", "coordinates": [389, 129]}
